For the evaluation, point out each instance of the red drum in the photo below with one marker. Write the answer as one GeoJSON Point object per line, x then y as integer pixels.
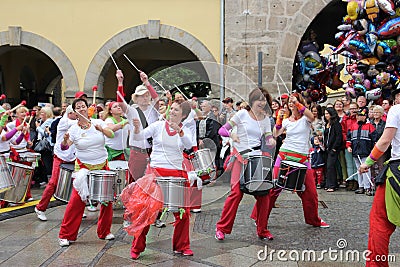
{"type": "Point", "coordinates": [292, 175]}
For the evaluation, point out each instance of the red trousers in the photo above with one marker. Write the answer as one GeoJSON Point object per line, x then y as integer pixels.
{"type": "Point", "coordinates": [52, 185]}
{"type": "Point", "coordinates": [137, 164]}
{"type": "Point", "coordinates": [225, 223]}
{"type": "Point", "coordinates": [309, 199]}
{"type": "Point", "coordinates": [73, 217]}
{"type": "Point", "coordinates": [180, 239]}
{"type": "Point", "coordinates": [380, 230]}
{"type": "Point", "coordinates": [318, 174]}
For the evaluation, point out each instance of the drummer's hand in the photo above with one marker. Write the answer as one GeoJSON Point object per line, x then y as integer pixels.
{"type": "Point", "coordinates": [136, 123]}
{"type": "Point", "coordinates": [30, 144]}
{"type": "Point", "coordinates": [144, 78]}
{"type": "Point", "coordinates": [20, 127]}
{"type": "Point", "coordinates": [271, 142]}
{"type": "Point", "coordinates": [98, 128]}
{"type": "Point", "coordinates": [168, 95]}
{"type": "Point", "coordinates": [120, 76]}
{"type": "Point", "coordinates": [235, 138]}
{"type": "Point", "coordinates": [281, 113]}
{"type": "Point", "coordinates": [363, 168]}
{"type": "Point", "coordinates": [175, 126]}
{"type": "Point", "coordinates": [66, 137]}
{"type": "Point", "coordinates": [25, 129]}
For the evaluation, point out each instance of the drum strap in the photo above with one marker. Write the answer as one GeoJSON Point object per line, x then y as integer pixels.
{"type": "Point", "coordinates": [249, 150]}
{"type": "Point", "coordinates": [164, 172]}
{"type": "Point", "coordinates": [144, 122]}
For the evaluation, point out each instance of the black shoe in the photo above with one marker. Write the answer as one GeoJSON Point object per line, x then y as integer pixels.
{"type": "Point", "coordinates": [359, 191]}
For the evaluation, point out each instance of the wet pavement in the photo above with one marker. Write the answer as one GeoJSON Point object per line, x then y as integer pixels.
{"type": "Point", "coordinates": [26, 241]}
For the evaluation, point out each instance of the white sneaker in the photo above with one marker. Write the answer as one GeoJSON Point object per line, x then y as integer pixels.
{"type": "Point", "coordinates": [110, 236]}
{"type": "Point", "coordinates": [63, 242]}
{"type": "Point", "coordinates": [40, 214]}
{"type": "Point", "coordinates": [29, 199]}
{"type": "Point", "coordinates": [159, 224]}
{"type": "Point", "coordinates": [92, 208]}
{"type": "Point", "coordinates": [84, 215]}
{"type": "Point", "coordinates": [196, 210]}
{"type": "Point", "coordinates": [126, 223]}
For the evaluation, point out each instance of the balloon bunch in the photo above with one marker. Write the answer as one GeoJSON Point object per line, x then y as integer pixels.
{"type": "Point", "coordinates": [313, 73]}
{"type": "Point", "coordinates": [370, 36]}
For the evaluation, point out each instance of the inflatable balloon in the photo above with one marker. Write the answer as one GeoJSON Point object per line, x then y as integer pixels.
{"type": "Point", "coordinates": [390, 28]}
{"type": "Point", "coordinates": [373, 94]}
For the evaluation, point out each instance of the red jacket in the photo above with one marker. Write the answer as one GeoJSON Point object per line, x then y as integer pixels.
{"type": "Point", "coordinates": [347, 122]}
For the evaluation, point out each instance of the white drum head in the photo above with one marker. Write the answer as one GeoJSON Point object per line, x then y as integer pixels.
{"type": "Point", "coordinates": [118, 164]}
{"type": "Point", "coordinates": [294, 164]}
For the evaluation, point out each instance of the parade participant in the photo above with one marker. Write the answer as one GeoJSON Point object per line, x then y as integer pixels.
{"type": "Point", "coordinates": [5, 134]}
{"type": "Point", "coordinates": [296, 148]}
{"type": "Point", "coordinates": [251, 125]}
{"type": "Point", "coordinates": [60, 157]}
{"type": "Point", "coordinates": [169, 138]}
{"type": "Point", "coordinates": [115, 146]}
{"type": "Point", "coordinates": [16, 142]}
{"type": "Point", "coordinates": [384, 214]}
{"type": "Point", "coordinates": [146, 100]}
{"type": "Point", "coordinates": [88, 137]}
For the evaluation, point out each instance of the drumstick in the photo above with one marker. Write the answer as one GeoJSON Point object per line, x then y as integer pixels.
{"type": "Point", "coordinates": [351, 176]}
{"type": "Point", "coordinates": [83, 117]}
{"type": "Point", "coordinates": [159, 84]}
{"type": "Point", "coordinates": [26, 115]}
{"type": "Point", "coordinates": [181, 92]}
{"type": "Point", "coordinates": [279, 92]}
{"type": "Point", "coordinates": [2, 97]}
{"type": "Point", "coordinates": [287, 89]}
{"type": "Point", "coordinates": [369, 178]}
{"type": "Point", "coordinates": [132, 63]}
{"type": "Point", "coordinates": [115, 63]}
{"type": "Point", "coordinates": [23, 103]}
{"type": "Point", "coordinates": [94, 88]}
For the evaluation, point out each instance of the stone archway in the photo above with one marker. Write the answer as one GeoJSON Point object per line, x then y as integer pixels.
{"type": "Point", "coordinates": [301, 18]}
{"type": "Point", "coordinates": [152, 30]}
{"type": "Point", "coordinates": [16, 37]}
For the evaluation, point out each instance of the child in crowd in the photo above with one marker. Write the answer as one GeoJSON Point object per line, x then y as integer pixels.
{"type": "Point", "coordinates": [317, 159]}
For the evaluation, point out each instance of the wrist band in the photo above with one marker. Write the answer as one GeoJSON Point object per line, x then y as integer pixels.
{"type": "Point", "coordinates": [369, 161]}
{"type": "Point", "coordinates": [64, 147]}
{"type": "Point", "coordinates": [300, 107]}
{"type": "Point", "coordinates": [376, 153]}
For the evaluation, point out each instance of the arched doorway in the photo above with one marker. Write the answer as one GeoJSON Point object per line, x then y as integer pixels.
{"type": "Point", "coordinates": [148, 50]}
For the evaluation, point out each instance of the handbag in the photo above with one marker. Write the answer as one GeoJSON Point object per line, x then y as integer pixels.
{"type": "Point", "coordinates": [42, 145]}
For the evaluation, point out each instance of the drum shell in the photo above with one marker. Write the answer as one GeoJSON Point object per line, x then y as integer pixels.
{"type": "Point", "coordinates": [64, 185]}
{"type": "Point", "coordinates": [120, 167]}
{"type": "Point", "coordinates": [6, 180]}
{"type": "Point", "coordinates": [101, 185]}
{"type": "Point", "coordinates": [29, 156]}
{"type": "Point", "coordinates": [294, 181]}
{"type": "Point", "coordinates": [22, 175]}
{"type": "Point", "coordinates": [173, 190]}
{"type": "Point", "coordinates": [203, 162]}
{"type": "Point", "coordinates": [256, 176]}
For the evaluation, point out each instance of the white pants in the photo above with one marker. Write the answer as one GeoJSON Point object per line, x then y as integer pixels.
{"type": "Point", "coordinates": [363, 181]}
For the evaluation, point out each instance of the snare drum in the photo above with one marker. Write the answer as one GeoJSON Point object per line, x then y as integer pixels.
{"type": "Point", "coordinates": [29, 156]}
{"type": "Point", "coordinates": [292, 175]}
{"type": "Point", "coordinates": [203, 162]}
{"type": "Point", "coordinates": [101, 185]}
{"type": "Point", "coordinates": [64, 185]}
{"type": "Point", "coordinates": [256, 176]}
{"type": "Point", "coordinates": [22, 175]}
{"type": "Point", "coordinates": [6, 180]}
{"type": "Point", "coordinates": [173, 190]}
{"type": "Point", "coordinates": [121, 168]}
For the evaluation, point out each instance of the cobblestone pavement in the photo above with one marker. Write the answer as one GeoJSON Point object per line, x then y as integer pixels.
{"type": "Point", "coordinates": [26, 241]}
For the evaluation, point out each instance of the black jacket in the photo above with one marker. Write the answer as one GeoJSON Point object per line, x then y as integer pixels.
{"type": "Point", "coordinates": [333, 138]}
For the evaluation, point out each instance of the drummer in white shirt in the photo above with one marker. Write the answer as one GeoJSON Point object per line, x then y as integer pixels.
{"type": "Point", "coordinates": [145, 109]}
{"type": "Point", "coordinates": [60, 157]}
{"type": "Point", "coordinates": [88, 137]}
{"type": "Point", "coordinates": [115, 146]}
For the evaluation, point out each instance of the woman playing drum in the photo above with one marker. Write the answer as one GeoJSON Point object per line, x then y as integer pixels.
{"type": "Point", "coordinates": [251, 125]}
{"type": "Point", "coordinates": [88, 137]}
{"type": "Point", "coordinates": [170, 138]}
{"type": "Point", "coordinates": [60, 157]}
{"type": "Point", "coordinates": [295, 148]}
{"type": "Point", "coordinates": [115, 146]}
